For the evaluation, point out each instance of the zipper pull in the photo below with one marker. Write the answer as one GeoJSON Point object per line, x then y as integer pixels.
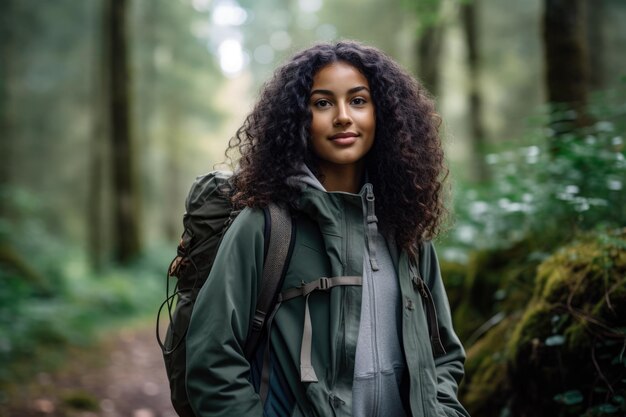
{"type": "Point", "coordinates": [371, 231]}
{"type": "Point", "coordinates": [369, 198]}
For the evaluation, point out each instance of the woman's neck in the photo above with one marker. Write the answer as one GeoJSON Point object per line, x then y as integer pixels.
{"type": "Point", "coordinates": [346, 178]}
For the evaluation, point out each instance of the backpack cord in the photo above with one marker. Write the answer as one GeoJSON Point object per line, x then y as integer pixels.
{"type": "Point", "coordinates": [169, 301]}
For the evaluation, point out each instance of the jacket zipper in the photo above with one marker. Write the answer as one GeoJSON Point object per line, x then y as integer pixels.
{"type": "Point", "coordinates": [370, 216]}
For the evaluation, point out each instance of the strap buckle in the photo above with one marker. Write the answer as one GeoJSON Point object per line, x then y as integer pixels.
{"type": "Point", "coordinates": [324, 283]}
{"type": "Point", "coordinates": [258, 320]}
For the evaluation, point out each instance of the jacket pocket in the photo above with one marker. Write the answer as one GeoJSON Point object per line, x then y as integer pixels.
{"type": "Point", "coordinates": [428, 387]}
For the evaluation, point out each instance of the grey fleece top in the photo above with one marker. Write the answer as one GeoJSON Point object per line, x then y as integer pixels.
{"type": "Point", "coordinates": [379, 361]}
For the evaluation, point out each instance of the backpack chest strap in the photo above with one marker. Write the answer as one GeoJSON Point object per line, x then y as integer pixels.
{"type": "Point", "coordinates": [321, 284]}
{"type": "Point", "coordinates": [307, 373]}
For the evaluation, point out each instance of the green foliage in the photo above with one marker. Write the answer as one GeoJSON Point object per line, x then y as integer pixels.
{"type": "Point", "coordinates": [551, 197]}
{"type": "Point", "coordinates": [569, 397]}
{"type": "Point", "coordinates": [427, 11]}
{"type": "Point", "coordinates": [50, 299]}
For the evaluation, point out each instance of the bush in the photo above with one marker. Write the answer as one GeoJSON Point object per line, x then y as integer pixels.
{"type": "Point", "coordinates": [49, 297]}
{"type": "Point", "coordinates": [546, 194]}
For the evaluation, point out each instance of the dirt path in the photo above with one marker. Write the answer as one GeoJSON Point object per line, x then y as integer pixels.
{"type": "Point", "coordinates": [123, 377]}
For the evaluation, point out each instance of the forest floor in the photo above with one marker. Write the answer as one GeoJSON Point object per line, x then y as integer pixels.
{"type": "Point", "coordinates": [122, 376]}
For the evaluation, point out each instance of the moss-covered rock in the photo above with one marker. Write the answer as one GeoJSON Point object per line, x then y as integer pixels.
{"type": "Point", "coordinates": [453, 274]}
{"type": "Point", "coordinates": [566, 355]}
{"type": "Point", "coordinates": [571, 338]}
{"type": "Point", "coordinates": [485, 388]}
{"type": "Point", "coordinates": [494, 280]}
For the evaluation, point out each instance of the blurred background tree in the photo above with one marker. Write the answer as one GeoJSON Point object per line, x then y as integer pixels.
{"type": "Point", "coordinates": [110, 108]}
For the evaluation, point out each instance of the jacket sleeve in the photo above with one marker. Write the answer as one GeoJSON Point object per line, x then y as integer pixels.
{"type": "Point", "coordinates": [449, 367]}
{"type": "Point", "coordinates": [218, 374]}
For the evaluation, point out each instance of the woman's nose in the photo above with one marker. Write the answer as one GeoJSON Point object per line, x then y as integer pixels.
{"type": "Point", "coordinates": [343, 116]}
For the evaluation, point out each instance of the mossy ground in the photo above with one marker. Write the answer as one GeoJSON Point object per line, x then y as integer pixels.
{"type": "Point", "coordinates": [560, 349]}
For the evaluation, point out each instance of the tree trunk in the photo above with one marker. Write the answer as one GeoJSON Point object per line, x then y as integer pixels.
{"type": "Point", "coordinates": [174, 203]}
{"type": "Point", "coordinates": [7, 121]}
{"type": "Point", "coordinates": [596, 27]}
{"type": "Point", "coordinates": [125, 195]}
{"type": "Point", "coordinates": [99, 100]}
{"type": "Point", "coordinates": [150, 21]}
{"type": "Point", "coordinates": [567, 71]}
{"type": "Point", "coordinates": [429, 54]}
{"type": "Point", "coordinates": [477, 138]}
{"type": "Point", "coordinates": [95, 215]}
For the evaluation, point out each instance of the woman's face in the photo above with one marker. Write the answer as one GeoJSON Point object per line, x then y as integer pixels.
{"type": "Point", "coordinates": [344, 122]}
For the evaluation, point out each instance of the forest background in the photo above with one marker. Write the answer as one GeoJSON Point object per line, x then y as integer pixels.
{"type": "Point", "coordinates": [110, 108]}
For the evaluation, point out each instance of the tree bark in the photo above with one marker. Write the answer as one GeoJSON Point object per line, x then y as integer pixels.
{"type": "Point", "coordinates": [429, 56]}
{"type": "Point", "coordinates": [596, 26]}
{"type": "Point", "coordinates": [567, 73]}
{"type": "Point", "coordinates": [7, 121]}
{"type": "Point", "coordinates": [125, 195]}
{"type": "Point", "coordinates": [99, 100]}
{"type": "Point", "coordinates": [150, 21]}
{"type": "Point", "coordinates": [173, 205]}
{"type": "Point", "coordinates": [477, 138]}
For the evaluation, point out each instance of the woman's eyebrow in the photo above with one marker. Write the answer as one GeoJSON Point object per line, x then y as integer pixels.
{"type": "Point", "coordinates": [357, 89]}
{"type": "Point", "coordinates": [350, 91]}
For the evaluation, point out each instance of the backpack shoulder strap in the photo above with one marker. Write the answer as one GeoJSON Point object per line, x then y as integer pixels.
{"type": "Point", "coordinates": [278, 247]}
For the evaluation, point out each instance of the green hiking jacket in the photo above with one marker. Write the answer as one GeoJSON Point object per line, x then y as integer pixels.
{"type": "Point", "coordinates": [329, 242]}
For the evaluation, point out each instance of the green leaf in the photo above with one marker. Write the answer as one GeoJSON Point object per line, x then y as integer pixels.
{"type": "Point", "coordinates": [556, 340]}
{"type": "Point", "coordinates": [619, 360]}
{"type": "Point", "coordinates": [569, 397]}
{"type": "Point", "coordinates": [606, 408]}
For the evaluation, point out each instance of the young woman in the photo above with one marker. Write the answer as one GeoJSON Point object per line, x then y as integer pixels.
{"type": "Point", "coordinates": [338, 129]}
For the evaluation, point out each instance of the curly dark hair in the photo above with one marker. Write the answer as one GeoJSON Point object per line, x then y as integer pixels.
{"type": "Point", "coordinates": [405, 165]}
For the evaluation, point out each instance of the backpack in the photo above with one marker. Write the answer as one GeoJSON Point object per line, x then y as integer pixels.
{"type": "Point", "coordinates": [208, 214]}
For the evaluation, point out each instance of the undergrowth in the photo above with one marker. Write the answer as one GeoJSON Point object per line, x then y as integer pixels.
{"type": "Point", "coordinates": [50, 299]}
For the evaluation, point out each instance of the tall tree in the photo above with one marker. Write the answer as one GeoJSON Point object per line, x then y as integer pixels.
{"type": "Point", "coordinates": [430, 36]}
{"type": "Point", "coordinates": [565, 48]}
{"type": "Point", "coordinates": [176, 83]}
{"type": "Point", "coordinates": [470, 26]}
{"type": "Point", "coordinates": [99, 98]}
{"type": "Point", "coordinates": [125, 195]}
{"type": "Point", "coordinates": [429, 57]}
{"type": "Point", "coordinates": [596, 29]}
{"type": "Point", "coordinates": [6, 111]}
{"type": "Point", "coordinates": [432, 22]}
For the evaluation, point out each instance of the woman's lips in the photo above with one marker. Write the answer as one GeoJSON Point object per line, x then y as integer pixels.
{"type": "Point", "coordinates": [344, 139]}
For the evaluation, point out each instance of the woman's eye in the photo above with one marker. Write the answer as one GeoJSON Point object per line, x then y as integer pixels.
{"type": "Point", "coordinates": [322, 103]}
{"type": "Point", "coordinates": [359, 101]}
